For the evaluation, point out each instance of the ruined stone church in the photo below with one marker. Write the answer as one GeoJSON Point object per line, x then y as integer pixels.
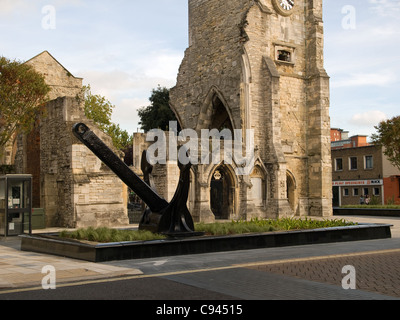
{"type": "Point", "coordinates": [257, 65]}
{"type": "Point", "coordinates": [69, 182]}
{"type": "Point", "coordinates": [250, 64]}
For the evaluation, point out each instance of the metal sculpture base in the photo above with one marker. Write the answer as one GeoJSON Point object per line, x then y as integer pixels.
{"type": "Point", "coordinates": [175, 220]}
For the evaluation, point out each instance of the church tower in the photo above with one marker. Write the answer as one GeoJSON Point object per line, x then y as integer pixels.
{"type": "Point", "coordinates": [258, 64]}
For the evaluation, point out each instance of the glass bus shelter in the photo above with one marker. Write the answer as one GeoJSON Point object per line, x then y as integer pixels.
{"type": "Point", "coordinates": [15, 205]}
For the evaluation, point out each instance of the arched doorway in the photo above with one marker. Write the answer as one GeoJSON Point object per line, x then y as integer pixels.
{"type": "Point", "coordinates": [291, 190]}
{"type": "Point", "coordinates": [222, 194]}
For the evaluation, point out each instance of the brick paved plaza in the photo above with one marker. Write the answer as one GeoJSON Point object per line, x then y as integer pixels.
{"type": "Point", "coordinates": [312, 272]}
{"type": "Point", "coordinates": [376, 272]}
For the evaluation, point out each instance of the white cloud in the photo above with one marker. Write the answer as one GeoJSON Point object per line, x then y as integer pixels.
{"type": "Point", "coordinates": [28, 6]}
{"type": "Point", "coordinates": [385, 8]}
{"type": "Point", "coordinates": [68, 3]}
{"type": "Point", "coordinates": [368, 118]}
{"type": "Point", "coordinates": [126, 114]}
{"type": "Point", "coordinates": [129, 90]}
{"type": "Point", "coordinates": [380, 79]}
{"type": "Point", "coordinates": [122, 50]}
{"type": "Point", "coordinates": [164, 64]}
{"type": "Point", "coordinates": [113, 83]}
{"type": "Point", "coordinates": [17, 6]}
{"type": "Point", "coordinates": [386, 31]}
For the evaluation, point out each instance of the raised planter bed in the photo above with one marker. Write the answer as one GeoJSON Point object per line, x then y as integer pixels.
{"type": "Point", "coordinates": [50, 244]}
{"type": "Point", "coordinates": [366, 212]}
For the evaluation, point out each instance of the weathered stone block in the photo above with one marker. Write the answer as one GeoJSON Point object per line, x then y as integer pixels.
{"type": "Point", "coordinates": [232, 68]}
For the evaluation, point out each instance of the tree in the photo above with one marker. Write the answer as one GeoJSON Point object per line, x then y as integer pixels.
{"type": "Point", "coordinates": [99, 109]}
{"type": "Point", "coordinates": [23, 94]}
{"type": "Point", "coordinates": [121, 138]}
{"type": "Point", "coordinates": [158, 114]}
{"type": "Point", "coordinates": [388, 137]}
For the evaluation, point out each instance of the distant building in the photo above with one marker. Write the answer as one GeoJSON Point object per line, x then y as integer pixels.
{"type": "Point", "coordinates": [340, 139]}
{"type": "Point", "coordinates": [361, 170]}
{"type": "Point", "coordinates": [338, 134]}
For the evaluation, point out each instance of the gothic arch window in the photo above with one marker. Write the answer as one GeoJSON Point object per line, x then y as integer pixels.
{"type": "Point", "coordinates": [220, 117]}
{"type": "Point", "coordinates": [291, 189]}
{"type": "Point", "coordinates": [214, 114]}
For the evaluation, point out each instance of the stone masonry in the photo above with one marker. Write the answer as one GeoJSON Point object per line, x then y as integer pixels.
{"type": "Point", "coordinates": [253, 68]}
{"type": "Point", "coordinates": [70, 182]}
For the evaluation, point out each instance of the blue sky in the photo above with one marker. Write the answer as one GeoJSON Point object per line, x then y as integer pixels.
{"type": "Point", "coordinates": [125, 48]}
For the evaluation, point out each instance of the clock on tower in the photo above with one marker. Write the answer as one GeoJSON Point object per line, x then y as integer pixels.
{"type": "Point", "coordinates": [284, 7]}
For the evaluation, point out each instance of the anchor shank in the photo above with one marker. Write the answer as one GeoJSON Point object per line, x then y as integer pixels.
{"type": "Point", "coordinates": [109, 158]}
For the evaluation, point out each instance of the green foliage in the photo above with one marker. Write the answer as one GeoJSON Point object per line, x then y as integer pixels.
{"type": "Point", "coordinates": [375, 201]}
{"type": "Point", "coordinates": [158, 114]}
{"type": "Point", "coordinates": [121, 138]}
{"type": "Point", "coordinates": [388, 137]}
{"type": "Point", "coordinates": [100, 110]}
{"type": "Point", "coordinates": [107, 235]}
{"type": "Point", "coordinates": [97, 108]}
{"type": "Point", "coordinates": [259, 226]}
{"type": "Point", "coordinates": [23, 93]}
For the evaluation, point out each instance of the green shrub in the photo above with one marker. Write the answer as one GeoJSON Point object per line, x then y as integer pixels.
{"type": "Point", "coordinates": [105, 235]}
{"type": "Point", "coordinates": [268, 225]}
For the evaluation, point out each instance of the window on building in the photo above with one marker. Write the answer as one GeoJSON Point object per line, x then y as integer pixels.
{"type": "Point", "coordinates": [353, 163]}
{"type": "Point", "coordinates": [366, 192]}
{"type": "Point", "coordinates": [284, 55]}
{"type": "Point", "coordinates": [346, 192]}
{"type": "Point", "coordinates": [339, 164]}
{"type": "Point", "coordinates": [377, 192]}
{"type": "Point", "coordinates": [369, 162]}
{"type": "Point", "coordinates": [356, 192]}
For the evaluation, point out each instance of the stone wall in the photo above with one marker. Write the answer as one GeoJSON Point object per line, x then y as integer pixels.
{"type": "Point", "coordinates": [61, 81]}
{"type": "Point", "coordinates": [70, 182]}
{"type": "Point", "coordinates": [233, 58]}
{"type": "Point", "coordinates": [77, 189]}
{"type": "Point", "coordinates": [164, 177]}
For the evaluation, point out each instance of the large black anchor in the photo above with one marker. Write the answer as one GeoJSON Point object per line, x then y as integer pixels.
{"type": "Point", "coordinates": [172, 219]}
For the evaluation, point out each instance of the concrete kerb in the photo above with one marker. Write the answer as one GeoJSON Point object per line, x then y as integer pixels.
{"type": "Point", "coordinates": [393, 221]}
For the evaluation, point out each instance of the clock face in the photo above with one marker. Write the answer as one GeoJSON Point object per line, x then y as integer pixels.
{"type": "Point", "coordinates": [284, 7]}
{"type": "Point", "coordinates": [286, 4]}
